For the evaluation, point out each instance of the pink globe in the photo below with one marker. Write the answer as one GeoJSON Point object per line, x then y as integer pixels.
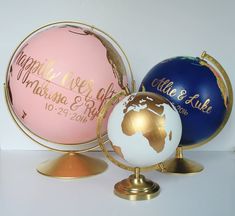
{"type": "Point", "coordinates": [58, 80]}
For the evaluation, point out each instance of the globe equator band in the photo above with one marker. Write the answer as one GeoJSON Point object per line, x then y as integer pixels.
{"type": "Point", "coordinates": [27, 130]}
{"type": "Point", "coordinates": [227, 81]}
{"type": "Point", "coordinates": [101, 116]}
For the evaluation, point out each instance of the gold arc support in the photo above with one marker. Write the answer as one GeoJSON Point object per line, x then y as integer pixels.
{"type": "Point", "coordinates": [214, 63]}
{"type": "Point", "coordinates": [181, 165]}
{"type": "Point", "coordinates": [136, 187]}
{"type": "Point", "coordinates": [72, 166]}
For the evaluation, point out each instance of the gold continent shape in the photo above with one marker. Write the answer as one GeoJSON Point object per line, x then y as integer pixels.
{"type": "Point", "coordinates": [220, 82]}
{"type": "Point", "coordinates": [149, 120]}
{"type": "Point", "coordinates": [114, 59]}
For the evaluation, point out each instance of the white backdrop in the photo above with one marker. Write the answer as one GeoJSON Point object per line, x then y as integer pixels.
{"type": "Point", "coordinates": [149, 31]}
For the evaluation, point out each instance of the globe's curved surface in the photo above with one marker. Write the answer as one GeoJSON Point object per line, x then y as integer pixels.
{"type": "Point", "coordinates": [144, 129]}
{"type": "Point", "coordinates": [198, 92]}
{"type": "Point", "coordinates": [58, 80]}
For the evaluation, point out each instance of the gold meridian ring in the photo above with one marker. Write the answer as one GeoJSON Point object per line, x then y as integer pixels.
{"type": "Point", "coordinates": [227, 81]}
{"type": "Point", "coordinates": [133, 87]}
{"type": "Point", "coordinates": [100, 119]}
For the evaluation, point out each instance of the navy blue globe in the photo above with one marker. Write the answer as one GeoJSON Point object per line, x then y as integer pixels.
{"type": "Point", "coordinates": [197, 91]}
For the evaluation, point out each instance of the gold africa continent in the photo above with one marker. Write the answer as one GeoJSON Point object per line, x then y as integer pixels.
{"type": "Point", "coordinates": [150, 120]}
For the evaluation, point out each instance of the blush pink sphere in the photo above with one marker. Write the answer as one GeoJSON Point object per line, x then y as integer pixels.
{"type": "Point", "coordinates": [58, 80]}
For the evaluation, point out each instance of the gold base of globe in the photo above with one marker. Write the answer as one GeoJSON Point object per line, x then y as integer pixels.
{"type": "Point", "coordinates": [181, 165]}
{"type": "Point", "coordinates": [136, 187]}
{"type": "Point", "coordinates": [71, 166]}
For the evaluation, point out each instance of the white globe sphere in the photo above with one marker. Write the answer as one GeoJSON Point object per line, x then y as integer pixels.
{"type": "Point", "coordinates": [144, 129]}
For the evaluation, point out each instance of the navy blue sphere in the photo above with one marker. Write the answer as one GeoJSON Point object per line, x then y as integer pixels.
{"type": "Point", "coordinates": [197, 91]}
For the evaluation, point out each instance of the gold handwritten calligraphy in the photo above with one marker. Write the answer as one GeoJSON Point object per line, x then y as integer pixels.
{"type": "Point", "coordinates": [86, 101]}
{"type": "Point", "coordinates": [29, 65]}
{"type": "Point", "coordinates": [199, 105]}
{"type": "Point", "coordinates": [42, 90]}
{"type": "Point", "coordinates": [166, 86]}
{"type": "Point", "coordinates": [182, 95]}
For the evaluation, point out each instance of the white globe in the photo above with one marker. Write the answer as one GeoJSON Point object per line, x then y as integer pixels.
{"type": "Point", "coordinates": [144, 128]}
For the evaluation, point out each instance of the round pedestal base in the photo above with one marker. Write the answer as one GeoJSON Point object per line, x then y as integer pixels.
{"type": "Point", "coordinates": [72, 165]}
{"type": "Point", "coordinates": [134, 188]}
{"type": "Point", "coordinates": [181, 166]}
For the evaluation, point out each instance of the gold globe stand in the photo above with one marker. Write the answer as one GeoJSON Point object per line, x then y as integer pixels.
{"type": "Point", "coordinates": [136, 186]}
{"type": "Point", "coordinates": [181, 165]}
{"type": "Point", "coordinates": [72, 164]}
